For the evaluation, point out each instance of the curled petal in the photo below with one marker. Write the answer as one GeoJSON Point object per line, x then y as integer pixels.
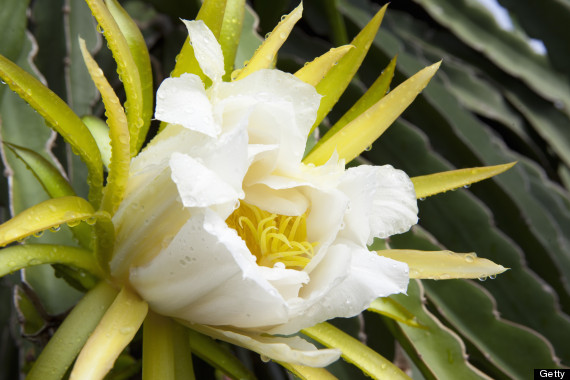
{"type": "Point", "coordinates": [292, 350]}
{"type": "Point", "coordinates": [207, 50]}
{"type": "Point", "coordinates": [383, 202]}
{"type": "Point", "coordinates": [183, 101]}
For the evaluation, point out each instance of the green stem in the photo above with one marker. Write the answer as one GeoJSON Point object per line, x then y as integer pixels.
{"type": "Point", "coordinates": [158, 349]}
{"type": "Point", "coordinates": [183, 368]}
{"type": "Point", "coordinates": [70, 337]}
{"type": "Point", "coordinates": [22, 256]}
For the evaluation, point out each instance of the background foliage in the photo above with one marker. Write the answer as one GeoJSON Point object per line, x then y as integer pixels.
{"type": "Point", "coordinates": [494, 100]}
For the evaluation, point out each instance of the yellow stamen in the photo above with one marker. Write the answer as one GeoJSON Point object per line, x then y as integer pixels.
{"type": "Point", "coordinates": [273, 238]}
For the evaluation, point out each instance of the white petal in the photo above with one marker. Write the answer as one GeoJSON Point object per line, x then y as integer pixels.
{"type": "Point", "coordinates": [284, 110]}
{"type": "Point", "coordinates": [284, 202]}
{"type": "Point", "coordinates": [286, 281]}
{"type": "Point", "coordinates": [197, 185]}
{"type": "Point", "coordinates": [207, 50]}
{"type": "Point", "coordinates": [367, 276]}
{"type": "Point", "coordinates": [292, 350]}
{"type": "Point", "coordinates": [382, 203]}
{"type": "Point", "coordinates": [207, 275]}
{"type": "Point", "coordinates": [183, 101]}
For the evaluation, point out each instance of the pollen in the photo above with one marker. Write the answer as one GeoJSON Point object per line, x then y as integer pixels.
{"type": "Point", "coordinates": [273, 238]}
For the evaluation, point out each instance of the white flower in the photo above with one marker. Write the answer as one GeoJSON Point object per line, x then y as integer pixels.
{"type": "Point", "coordinates": [224, 227]}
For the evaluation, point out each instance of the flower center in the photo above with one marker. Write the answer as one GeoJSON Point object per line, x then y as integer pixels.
{"type": "Point", "coordinates": [273, 238]}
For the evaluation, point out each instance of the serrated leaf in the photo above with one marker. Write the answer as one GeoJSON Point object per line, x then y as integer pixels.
{"type": "Point", "coordinates": [70, 337]}
{"type": "Point", "coordinates": [113, 333]}
{"type": "Point", "coordinates": [119, 134]}
{"type": "Point", "coordinates": [472, 23]}
{"type": "Point", "coordinates": [437, 351]}
{"type": "Point", "coordinates": [22, 256]}
{"type": "Point", "coordinates": [354, 351]}
{"type": "Point", "coordinates": [141, 58]}
{"type": "Point", "coordinates": [127, 69]}
{"type": "Point", "coordinates": [265, 55]}
{"type": "Point", "coordinates": [60, 117]}
{"type": "Point", "coordinates": [45, 215]}
{"type": "Point", "coordinates": [361, 132]}
{"type": "Point", "coordinates": [431, 184]}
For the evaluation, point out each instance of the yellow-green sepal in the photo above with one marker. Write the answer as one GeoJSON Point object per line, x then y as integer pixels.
{"type": "Point", "coordinates": [353, 351]}
{"type": "Point", "coordinates": [100, 132]}
{"type": "Point", "coordinates": [61, 118]}
{"type": "Point", "coordinates": [230, 34]}
{"type": "Point", "coordinates": [332, 86]}
{"type": "Point", "coordinates": [139, 51]}
{"type": "Point", "coordinates": [264, 57]}
{"type": "Point", "coordinates": [52, 213]}
{"type": "Point", "coordinates": [314, 71]}
{"type": "Point", "coordinates": [308, 373]}
{"type": "Point", "coordinates": [113, 333]}
{"type": "Point", "coordinates": [376, 92]}
{"type": "Point", "coordinates": [394, 310]}
{"type": "Point", "coordinates": [444, 265]}
{"type": "Point", "coordinates": [23, 256]}
{"type": "Point", "coordinates": [431, 184]}
{"type": "Point", "coordinates": [126, 68]}
{"type": "Point", "coordinates": [53, 182]}
{"type": "Point", "coordinates": [118, 132]}
{"type": "Point", "coordinates": [361, 132]}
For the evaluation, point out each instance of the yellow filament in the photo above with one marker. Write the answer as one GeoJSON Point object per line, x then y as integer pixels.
{"type": "Point", "coordinates": [273, 238]}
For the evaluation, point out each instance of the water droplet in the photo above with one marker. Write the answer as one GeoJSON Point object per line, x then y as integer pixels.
{"type": "Point", "coordinates": [55, 228]}
{"type": "Point", "coordinates": [469, 258]}
{"type": "Point", "coordinates": [73, 223]}
{"type": "Point", "coordinates": [493, 276]}
{"type": "Point", "coordinates": [422, 199]}
{"type": "Point", "coordinates": [368, 148]}
{"type": "Point", "coordinates": [126, 330]}
{"type": "Point", "coordinates": [467, 186]}
{"type": "Point", "coordinates": [482, 278]}
{"type": "Point", "coordinates": [264, 358]}
{"type": "Point", "coordinates": [91, 220]}
{"type": "Point", "coordinates": [38, 234]}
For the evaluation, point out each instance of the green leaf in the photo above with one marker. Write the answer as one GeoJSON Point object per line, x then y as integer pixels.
{"type": "Point", "coordinates": [127, 69]}
{"type": "Point", "coordinates": [139, 51]}
{"type": "Point", "coordinates": [63, 347]}
{"type": "Point", "coordinates": [472, 23]}
{"type": "Point", "coordinates": [22, 256]}
{"type": "Point", "coordinates": [355, 352]}
{"type": "Point", "coordinates": [217, 356]}
{"type": "Point", "coordinates": [436, 350]}
{"type": "Point", "coordinates": [60, 117]}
